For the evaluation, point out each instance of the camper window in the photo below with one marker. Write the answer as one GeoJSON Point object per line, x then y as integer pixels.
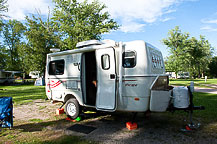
{"type": "Point", "coordinates": [129, 59]}
{"type": "Point", "coordinates": [56, 67]}
{"type": "Point", "coordinates": [105, 60]}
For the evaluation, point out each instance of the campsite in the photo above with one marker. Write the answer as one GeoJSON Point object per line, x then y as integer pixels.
{"type": "Point", "coordinates": [36, 122]}
{"type": "Point", "coordinates": [108, 71]}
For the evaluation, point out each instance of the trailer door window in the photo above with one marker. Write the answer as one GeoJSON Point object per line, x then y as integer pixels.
{"type": "Point", "coordinates": [129, 59]}
{"type": "Point", "coordinates": [56, 67]}
{"type": "Point", "coordinates": [105, 60]}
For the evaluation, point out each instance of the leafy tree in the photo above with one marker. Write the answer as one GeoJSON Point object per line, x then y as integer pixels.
{"type": "Point", "coordinates": [41, 37]}
{"type": "Point", "coordinates": [3, 57]}
{"type": "Point", "coordinates": [80, 21]}
{"type": "Point", "coordinates": [72, 22]}
{"type": "Point", "coordinates": [198, 54]}
{"type": "Point", "coordinates": [188, 54]}
{"type": "Point", "coordinates": [3, 54]}
{"type": "Point", "coordinates": [170, 63]}
{"type": "Point", "coordinates": [12, 38]}
{"type": "Point", "coordinates": [176, 42]}
{"type": "Point", "coordinates": [213, 67]}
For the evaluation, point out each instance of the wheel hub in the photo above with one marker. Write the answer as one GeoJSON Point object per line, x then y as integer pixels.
{"type": "Point", "coordinates": [71, 109]}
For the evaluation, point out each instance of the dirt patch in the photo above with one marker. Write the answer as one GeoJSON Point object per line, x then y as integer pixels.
{"type": "Point", "coordinates": [38, 109]}
{"type": "Point", "coordinates": [38, 118]}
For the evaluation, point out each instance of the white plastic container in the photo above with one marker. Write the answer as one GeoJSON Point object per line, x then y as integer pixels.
{"type": "Point", "coordinates": [180, 97]}
{"type": "Point", "coordinates": [159, 100]}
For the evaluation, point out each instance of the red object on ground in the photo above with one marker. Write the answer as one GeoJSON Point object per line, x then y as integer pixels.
{"type": "Point", "coordinates": [131, 126]}
{"type": "Point", "coordinates": [69, 119]}
{"type": "Point", "coordinates": [59, 111]}
{"type": "Point", "coordinates": [188, 128]}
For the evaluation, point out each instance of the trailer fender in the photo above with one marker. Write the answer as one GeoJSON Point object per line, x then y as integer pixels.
{"type": "Point", "coordinates": [70, 95]}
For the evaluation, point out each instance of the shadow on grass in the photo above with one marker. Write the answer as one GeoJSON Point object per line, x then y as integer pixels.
{"type": "Point", "coordinates": [67, 140]}
{"type": "Point", "coordinates": [58, 124]}
{"type": "Point", "coordinates": [33, 127]}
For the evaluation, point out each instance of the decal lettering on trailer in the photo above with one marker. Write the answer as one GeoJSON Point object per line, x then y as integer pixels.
{"type": "Point", "coordinates": [130, 85]}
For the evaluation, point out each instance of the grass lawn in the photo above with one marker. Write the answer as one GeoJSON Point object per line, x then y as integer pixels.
{"type": "Point", "coordinates": [23, 93]}
{"type": "Point", "coordinates": [197, 82]}
{"type": "Point", "coordinates": [210, 103]}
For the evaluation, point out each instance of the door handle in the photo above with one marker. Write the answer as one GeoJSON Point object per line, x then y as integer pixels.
{"type": "Point", "coordinates": [112, 76]}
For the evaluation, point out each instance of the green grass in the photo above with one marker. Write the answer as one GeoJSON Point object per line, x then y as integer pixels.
{"type": "Point", "coordinates": [42, 107]}
{"type": "Point", "coordinates": [210, 103]}
{"type": "Point", "coordinates": [197, 82]}
{"type": "Point", "coordinates": [68, 140]}
{"type": "Point", "coordinates": [36, 120]}
{"type": "Point", "coordinates": [17, 137]}
{"type": "Point", "coordinates": [23, 93]}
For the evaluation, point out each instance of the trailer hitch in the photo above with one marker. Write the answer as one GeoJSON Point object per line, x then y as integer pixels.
{"type": "Point", "coordinates": [189, 109]}
{"type": "Point", "coordinates": [62, 105]}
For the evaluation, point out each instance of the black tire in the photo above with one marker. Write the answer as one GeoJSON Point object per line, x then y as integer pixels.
{"type": "Point", "coordinates": [72, 108]}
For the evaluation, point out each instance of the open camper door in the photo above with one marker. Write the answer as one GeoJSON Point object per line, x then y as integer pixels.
{"type": "Point", "coordinates": [106, 78]}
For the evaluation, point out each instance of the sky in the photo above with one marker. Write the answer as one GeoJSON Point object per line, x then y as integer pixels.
{"type": "Point", "coordinates": [148, 20]}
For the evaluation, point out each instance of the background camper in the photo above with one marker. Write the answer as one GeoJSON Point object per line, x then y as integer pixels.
{"type": "Point", "coordinates": [6, 77]}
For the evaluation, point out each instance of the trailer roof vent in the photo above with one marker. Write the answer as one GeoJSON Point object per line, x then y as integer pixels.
{"type": "Point", "coordinates": [88, 43]}
{"type": "Point", "coordinates": [53, 50]}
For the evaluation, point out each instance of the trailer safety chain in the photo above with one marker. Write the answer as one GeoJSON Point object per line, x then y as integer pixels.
{"type": "Point", "coordinates": [62, 105]}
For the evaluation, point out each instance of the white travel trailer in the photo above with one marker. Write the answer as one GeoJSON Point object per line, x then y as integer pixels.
{"type": "Point", "coordinates": [109, 76]}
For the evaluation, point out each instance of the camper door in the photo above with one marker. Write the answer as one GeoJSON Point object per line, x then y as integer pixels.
{"type": "Point", "coordinates": [106, 78]}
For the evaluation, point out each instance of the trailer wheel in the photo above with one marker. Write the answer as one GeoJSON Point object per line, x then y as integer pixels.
{"type": "Point", "coordinates": [72, 108]}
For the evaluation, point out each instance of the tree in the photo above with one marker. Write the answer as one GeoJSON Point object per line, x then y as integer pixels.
{"type": "Point", "coordinates": [176, 42]}
{"type": "Point", "coordinates": [3, 54]}
{"type": "Point", "coordinates": [72, 22]}
{"type": "Point", "coordinates": [12, 38]}
{"type": "Point", "coordinates": [198, 55]}
{"type": "Point", "coordinates": [170, 63]}
{"type": "Point", "coordinates": [41, 37]}
{"type": "Point", "coordinates": [80, 21]}
{"type": "Point", "coordinates": [188, 54]}
{"type": "Point", "coordinates": [3, 57]}
{"type": "Point", "coordinates": [213, 67]}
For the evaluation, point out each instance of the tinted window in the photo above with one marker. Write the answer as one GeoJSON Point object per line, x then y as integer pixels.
{"type": "Point", "coordinates": [56, 67]}
{"type": "Point", "coordinates": [105, 61]}
{"type": "Point", "coordinates": [129, 59]}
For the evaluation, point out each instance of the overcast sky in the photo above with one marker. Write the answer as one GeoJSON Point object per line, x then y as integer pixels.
{"type": "Point", "coordinates": [148, 20]}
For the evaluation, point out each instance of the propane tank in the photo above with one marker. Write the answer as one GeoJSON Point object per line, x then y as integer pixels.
{"type": "Point", "coordinates": [180, 97]}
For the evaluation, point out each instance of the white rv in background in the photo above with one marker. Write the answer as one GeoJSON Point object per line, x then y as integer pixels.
{"type": "Point", "coordinates": [6, 77]}
{"type": "Point", "coordinates": [109, 76]}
